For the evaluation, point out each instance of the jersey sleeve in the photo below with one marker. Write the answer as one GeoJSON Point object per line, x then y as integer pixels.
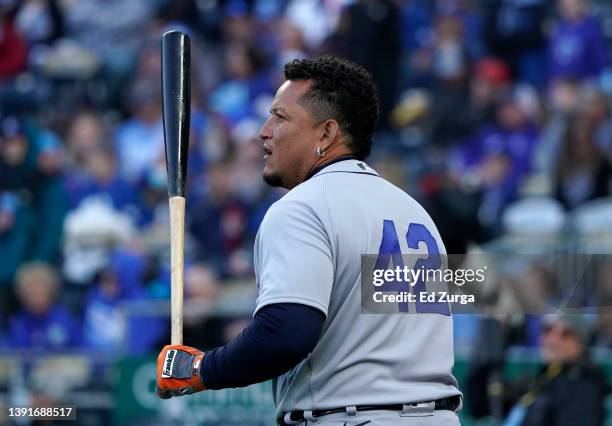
{"type": "Point", "coordinates": [293, 257]}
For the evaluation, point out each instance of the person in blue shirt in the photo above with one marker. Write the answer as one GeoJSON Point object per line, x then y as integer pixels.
{"type": "Point", "coordinates": [139, 140]}
{"type": "Point", "coordinates": [42, 323]}
{"type": "Point", "coordinates": [102, 180]}
{"type": "Point", "coordinates": [107, 325]}
{"type": "Point", "coordinates": [497, 157]}
{"type": "Point", "coordinates": [247, 78]}
{"type": "Point", "coordinates": [577, 45]}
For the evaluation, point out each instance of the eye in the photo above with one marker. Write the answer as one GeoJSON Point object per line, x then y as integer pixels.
{"type": "Point", "coordinates": [277, 115]}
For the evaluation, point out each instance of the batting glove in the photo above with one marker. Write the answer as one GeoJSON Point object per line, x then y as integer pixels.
{"type": "Point", "coordinates": [178, 371]}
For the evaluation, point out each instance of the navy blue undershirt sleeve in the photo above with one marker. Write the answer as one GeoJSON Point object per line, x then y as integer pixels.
{"type": "Point", "coordinates": [280, 336]}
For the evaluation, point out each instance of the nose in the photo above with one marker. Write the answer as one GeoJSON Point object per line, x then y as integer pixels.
{"type": "Point", "coordinates": [265, 132]}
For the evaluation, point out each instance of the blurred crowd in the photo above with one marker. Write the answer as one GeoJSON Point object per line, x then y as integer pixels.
{"type": "Point", "coordinates": [496, 115]}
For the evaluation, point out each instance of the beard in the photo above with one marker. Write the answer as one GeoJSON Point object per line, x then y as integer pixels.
{"type": "Point", "coordinates": [273, 180]}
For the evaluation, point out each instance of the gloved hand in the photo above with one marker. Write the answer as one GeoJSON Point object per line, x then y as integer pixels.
{"type": "Point", "coordinates": [178, 371]}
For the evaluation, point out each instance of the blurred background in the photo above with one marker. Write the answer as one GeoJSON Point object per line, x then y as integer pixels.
{"type": "Point", "coordinates": [496, 116]}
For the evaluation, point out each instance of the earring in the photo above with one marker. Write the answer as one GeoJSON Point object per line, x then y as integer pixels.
{"type": "Point", "coordinates": [320, 152]}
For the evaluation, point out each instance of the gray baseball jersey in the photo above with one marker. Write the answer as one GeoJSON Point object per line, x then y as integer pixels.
{"type": "Point", "coordinates": [308, 251]}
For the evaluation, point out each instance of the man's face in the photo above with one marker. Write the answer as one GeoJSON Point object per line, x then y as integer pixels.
{"type": "Point", "coordinates": [289, 137]}
{"type": "Point", "coordinates": [37, 294]}
{"type": "Point", "coordinates": [559, 344]}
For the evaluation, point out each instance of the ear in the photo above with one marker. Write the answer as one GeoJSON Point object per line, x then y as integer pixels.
{"type": "Point", "coordinates": [330, 132]}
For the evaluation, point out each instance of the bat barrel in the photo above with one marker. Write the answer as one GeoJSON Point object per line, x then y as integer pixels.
{"type": "Point", "coordinates": [176, 87]}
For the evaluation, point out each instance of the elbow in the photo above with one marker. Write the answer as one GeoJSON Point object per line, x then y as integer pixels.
{"type": "Point", "coordinates": [294, 347]}
{"type": "Point", "coordinates": [291, 333]}
{"type": "Point", "coordinates": [296, 353]}
{"type": "Point", "coordinates": [291, 352]}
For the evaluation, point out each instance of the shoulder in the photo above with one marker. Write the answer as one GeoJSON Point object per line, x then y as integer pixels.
{"type": "Point", "coordinates": [300, 214]}
{"type": "Point", "coordinates": [303, 200]}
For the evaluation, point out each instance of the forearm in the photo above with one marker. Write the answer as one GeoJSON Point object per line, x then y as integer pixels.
{"type": "Point", "coordinates": [280, 337]}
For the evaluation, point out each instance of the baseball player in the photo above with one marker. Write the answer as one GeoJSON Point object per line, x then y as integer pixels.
{"type": "Point", "coordinates": [331, 364]}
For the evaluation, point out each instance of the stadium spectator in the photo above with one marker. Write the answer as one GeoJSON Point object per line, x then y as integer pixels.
{"type": "Point", "coordinates": [139, 141]}
{"type": "Point", "coordinates": [42, 323]}
{"type": "Point", "coordinates": [449, 55]}
{"type": "Point", "coordinates": [50, 199]}
{"type": "Point", "coordinates": [108, 325]}
{"type": "Point", "coordinates": [443, 67]}
{"type": "Point", "coordinates": [247, 78]}
{"type": "Point", "coordinates": [565, 388]}
{"type": "Point", "coordinates": [595, 110]}
{"type": "Point", "coordinates": [18, 156]}
{"type": "Point", "coordinates": [497, 157]}
{"type": "Point", "coordinates": [217, 221]}
{"type": "Point", "coordinates": [469, 106]}
{"type": "Point", "coordinates": [577, 46]}
{"type": "Point", "coordinates": [13, 48]}
{"type": "Point", "coordinates": [85, 132]}
{"type": "Point", "coordinates": [582, 172]}
{"type": "Point", "coordinates": [40, 22]}
{"type": "Point", "coordinates": [30, 167]}
{"type": "Point", "coordinates": [237, 23]}
{"type": "Point", "coordinates": [562, 107]}
{"type": "Point", "coordinates": [101, 179]}
{"type": "Point", "coordinates": [570, 389]}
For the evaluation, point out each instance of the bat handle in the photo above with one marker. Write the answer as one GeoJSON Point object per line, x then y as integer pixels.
{"type": "Point", "coordinates": [177, 260]}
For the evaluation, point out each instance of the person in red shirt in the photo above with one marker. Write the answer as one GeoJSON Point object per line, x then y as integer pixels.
{"type": "Point", "coordinates": [13, 49]}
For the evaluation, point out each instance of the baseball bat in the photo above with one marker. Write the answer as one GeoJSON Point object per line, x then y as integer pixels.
{"type": "Point", "coordinates": [176, 103]}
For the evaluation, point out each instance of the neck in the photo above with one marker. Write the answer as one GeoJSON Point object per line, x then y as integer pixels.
{"type": "Point", "coordinates": [334, 154]}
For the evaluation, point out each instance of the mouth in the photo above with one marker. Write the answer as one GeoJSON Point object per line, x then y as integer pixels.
{"type": "Point", "coordinates": [267, 152]}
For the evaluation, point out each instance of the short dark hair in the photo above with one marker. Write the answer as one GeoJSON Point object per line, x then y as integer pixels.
{"type": "Point", "coordinates": [343, 91]}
